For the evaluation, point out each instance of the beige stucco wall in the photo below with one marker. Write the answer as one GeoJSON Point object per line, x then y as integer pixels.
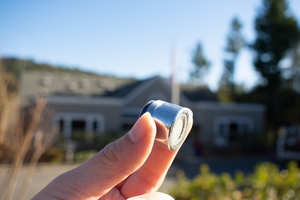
{"type": "Point", "coordinates": [112, 114]}
{"type": "Point", "coordinates": [207, 116]}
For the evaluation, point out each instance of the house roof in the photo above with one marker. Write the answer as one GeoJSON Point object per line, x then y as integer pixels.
{"type": "Point", "coordinates": [67, 84]}
{"type": "Point", "coordinates": [197, 93]}
{"type": "Point", "coordinates": [124, 90]}
{"type": "Point", "coordinates": [62, 84]}
{"type": "Point", "coordinates": [193, 93]}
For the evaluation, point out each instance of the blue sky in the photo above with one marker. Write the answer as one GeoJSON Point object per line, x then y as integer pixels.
{"type": "Point", "coordinates": [128, 38]}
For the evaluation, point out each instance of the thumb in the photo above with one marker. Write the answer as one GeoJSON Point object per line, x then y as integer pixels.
{"type": "Point", "coordinates": [152, 196]}
{"type": "Point", "coordinates": [110, 166]}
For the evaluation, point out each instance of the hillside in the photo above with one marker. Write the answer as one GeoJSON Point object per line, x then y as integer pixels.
{"type": "Point", "coordinates": [17, 66]}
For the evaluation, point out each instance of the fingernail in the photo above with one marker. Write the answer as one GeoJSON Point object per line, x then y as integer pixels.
{"type": "Point", "coordinates": [152, 196]}
{"type": "Point", "coordinates": [138, 198]}
{"type": "Point", "coordinates": [141, 128]}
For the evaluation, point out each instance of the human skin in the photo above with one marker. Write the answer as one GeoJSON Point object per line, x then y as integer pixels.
{"type": "Point", "coordinates": [131, 166]}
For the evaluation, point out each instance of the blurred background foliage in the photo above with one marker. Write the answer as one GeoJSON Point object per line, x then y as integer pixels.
{"type": "Point", "coordinates": [84, 147]}
{"type": "Point", "coordinates": [266, 182]}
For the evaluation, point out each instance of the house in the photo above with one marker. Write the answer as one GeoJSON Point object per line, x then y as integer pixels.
{"type": "Point", "coordinates": [95, 104]}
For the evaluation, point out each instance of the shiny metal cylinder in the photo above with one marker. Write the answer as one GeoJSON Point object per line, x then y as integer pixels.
{"type": "Point", "coordinates": [173, 122]}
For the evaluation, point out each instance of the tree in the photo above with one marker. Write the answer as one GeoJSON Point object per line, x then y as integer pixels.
{"type": "Point", "coordinates": [276, 33]}
{"type": "Point", "coordinates": [235, 42]}
{"type": "Point", "coordinates": [295, 67]}
{"type": "Point", "coordinates": [25, 134]}
{"type": "Point", "coordinates": [201, 65]}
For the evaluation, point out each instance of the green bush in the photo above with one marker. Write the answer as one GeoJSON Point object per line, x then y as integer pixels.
{"type": "Point", "coordinates": [267, 182]}
{"type": "Point", "coordinates": [81, 156]}
{"type": "Point", "coordinates": [53, 154]}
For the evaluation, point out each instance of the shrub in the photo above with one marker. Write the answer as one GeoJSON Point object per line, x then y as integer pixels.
{"type": "Point", "coordinates": [81, 156]}
{"type": "Point", "coordinates": [267, 182]}
{"type": "Point", "coordinates": [53, 154]}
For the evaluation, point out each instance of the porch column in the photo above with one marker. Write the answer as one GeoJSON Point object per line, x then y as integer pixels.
{"type": "Point", "coordinates": [67, 127]}
{"type": "Point", "coordinates": [100, 124]}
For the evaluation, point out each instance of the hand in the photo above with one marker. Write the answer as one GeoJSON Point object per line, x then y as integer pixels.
{"type": "Point", "coordinates": [131, 166]}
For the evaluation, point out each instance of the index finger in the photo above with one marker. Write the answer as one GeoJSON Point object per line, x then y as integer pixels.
{"type": "Point", "coordinates": [150, 176]}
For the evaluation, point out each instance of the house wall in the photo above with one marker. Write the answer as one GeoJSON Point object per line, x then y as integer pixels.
{"type": "Point", "coordinates": [112, 115]}
{"type": "Point", "coordinates": [214, 117]}
{"type": "Point", "coordinates": [107, 112]}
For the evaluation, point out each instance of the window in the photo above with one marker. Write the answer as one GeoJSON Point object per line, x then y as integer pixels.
{"type": "Point", "coordinates": [61, 125]}
{"type": "Point", "coordinates": [78, 125]}
{"type": "Point", "coordinates": [229, 130]}
{"type": "Point", "coordinates": [233, 131]}
{"type": "Point", "coordinates": [95, 126]}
